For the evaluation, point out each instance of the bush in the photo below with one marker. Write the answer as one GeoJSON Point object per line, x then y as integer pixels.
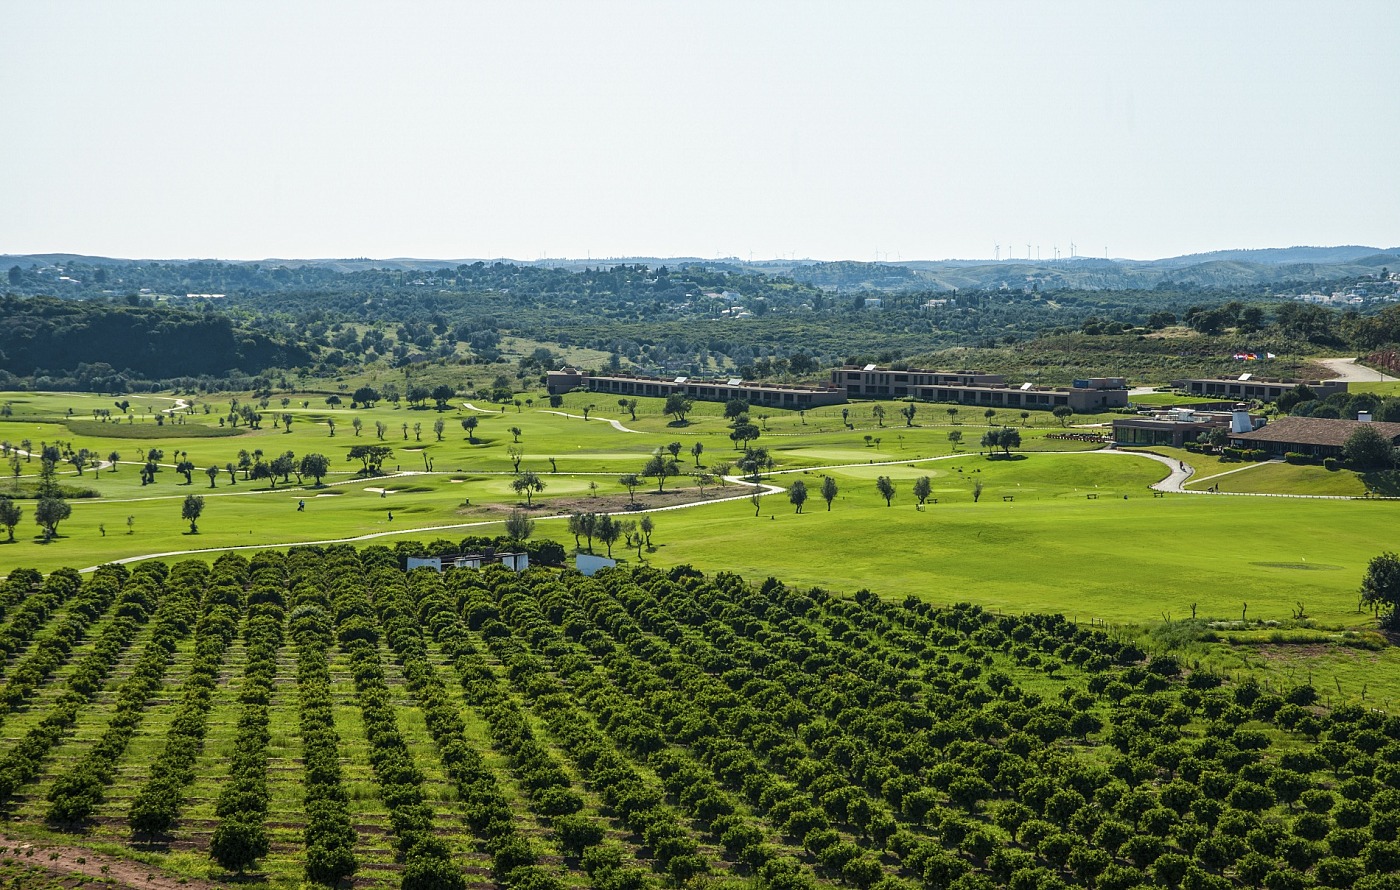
{"type": "Point", "coordinates": [1298, 457]}
{"type": "Point", "coordinates": [238, 843]}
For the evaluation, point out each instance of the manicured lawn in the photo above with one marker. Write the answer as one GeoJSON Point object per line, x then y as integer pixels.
{"type": "Point", "coordinates": [1275, 478]}
{"type": "Point", "coordinates": [1052, 532]}
{"type": "Point", "coordinates": [1168, 399]}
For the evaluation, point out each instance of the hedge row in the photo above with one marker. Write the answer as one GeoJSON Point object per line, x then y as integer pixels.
{"type": "Point", "coordinates": [76, 793]}
{"type": "Point", "coordinates": [535, 767]}
{"type": "Point", "coordinates": [240, 837]}
{"type": "Point", "coordinates": [488, 810]}
{"type": "Point", "coordinates": [17, 587]}
{"type": "Point", "coordinates": [747, 744]}
{"type": "Point", "coordinates": [1189, 799]}
{"type": "Point", "coordinates": [51, 649]}
{"type": "Point", "coordinates": [428, 863]}
{"type": "Point", "coordinates": [329, 835]}
{"type": "Point", "coordinates": [28, 609]}
{"type": "Point", "coordinates": [621, 786]}
{"type": "Point", "coordinates": [140, 594]}
{"type": "Point", "coordinates": [726, 734]}
{"type": "Point", "coordinates": [159, 801]}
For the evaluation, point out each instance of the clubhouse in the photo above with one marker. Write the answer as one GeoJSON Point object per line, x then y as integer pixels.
{"type": "Point", "coordinates": [771, 395]}
{"type": "Point", "coordinates": [1317, 436]}
{"type": "Point", "coordinates": [1177, 426]}
{"type": "Point", "coordinates": [978, 388]}
{"type": "Point", "coordinates": [1247, 386]}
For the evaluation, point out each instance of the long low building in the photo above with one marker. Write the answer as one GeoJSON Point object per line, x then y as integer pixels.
{"type": "Point", "coordinates": [867, 382]}
{"type": "Point", "coordinates": [1247, 386]}
{"type": "Point", "coordinates": [1177, 426]}
{"type": "Point", "coordinates": [771, 395]}
{"type": "Point", "coordinates": [978, 388]}
{"type": "Point", "coordinates": [1317, 436]}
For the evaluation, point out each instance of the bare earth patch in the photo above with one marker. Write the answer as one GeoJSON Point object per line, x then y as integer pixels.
{"type": "Point", "coordinates": [619, 503]}
{"type": "Point", "coordinates": [119, 872]}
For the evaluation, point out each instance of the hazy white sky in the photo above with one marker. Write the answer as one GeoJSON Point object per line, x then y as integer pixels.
{"type": "Point", "coordinates": [831, 130]}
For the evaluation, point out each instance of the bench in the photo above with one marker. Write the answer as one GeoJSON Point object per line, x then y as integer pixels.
{"type": "Point", "coordinates": [1008, 497]}
{"type": "Point", "coordinates": [1091, 497]}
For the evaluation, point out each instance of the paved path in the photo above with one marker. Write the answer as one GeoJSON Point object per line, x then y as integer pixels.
{"type": "Point", "coordinates": [1239, 470]}
{"type": "Point", "coordinates": [617, 424]}
{"type": "Point", "coordinates": [1347, 369]}
{"type": "Point", "coordinates": [1178, 474]}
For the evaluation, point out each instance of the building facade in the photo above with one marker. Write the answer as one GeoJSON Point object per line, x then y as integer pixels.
{"type": "Point", "coordinates": [771, 395]}
{"type": "Point", "coordinates": [867, 382]}
{"type": "Point", "coordinates": [979, 388]}
{"type": "Point", "coordinates": [1316, 436]}
{"type": "Point", "coordinates": [1247, 386]}
{"type": "Point", "coordinates": [1177, 426]}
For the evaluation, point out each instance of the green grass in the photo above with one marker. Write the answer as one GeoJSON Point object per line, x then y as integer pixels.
{"type": "Point", "coordinates": [1380, 389]}
{"type": "Point", "coordinates": [1050, 547]}
{"type": "Point", "coordinates": [1168, 399]}
{"type": "Point", "coordinates": [1286, 478]}
{"type": "Point", "coordinates": [96, 429]}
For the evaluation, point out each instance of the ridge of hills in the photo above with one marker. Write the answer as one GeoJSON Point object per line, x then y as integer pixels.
{"type": "Point", "coordinates": [1291, 266]}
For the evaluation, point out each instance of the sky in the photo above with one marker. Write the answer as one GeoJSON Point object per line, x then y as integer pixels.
{"type": "Point", "coordinates": [855, 130]}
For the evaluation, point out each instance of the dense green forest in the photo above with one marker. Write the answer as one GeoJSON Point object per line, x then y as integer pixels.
{"type": "Point", "coordinates": [139, 325]}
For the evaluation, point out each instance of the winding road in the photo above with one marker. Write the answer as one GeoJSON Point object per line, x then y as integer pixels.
{"type": "Point", "coordinates": [1178, 473]}
{"type": "Point", "coordinates": [1347, 369]}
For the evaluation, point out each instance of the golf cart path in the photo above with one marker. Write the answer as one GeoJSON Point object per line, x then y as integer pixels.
{"type": "Point", "coordinates": [1175, 481]}
{"type": "Point", "coordinates": [617, 424]}
{"type": "Point", "coordinates": [1239, 470]}
{"type": "Point", "coordinates": [1348, 370]}
{"type": "Point", "coordinates": [765, 489]}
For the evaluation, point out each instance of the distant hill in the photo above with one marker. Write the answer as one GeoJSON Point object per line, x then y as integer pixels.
{"type": "Point", "coordinates": [1326, 255]}
{"type": "Point", "coordinates": [1285, 266]}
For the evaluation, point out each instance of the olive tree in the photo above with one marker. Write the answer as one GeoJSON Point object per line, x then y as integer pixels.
{"type": "Point", "coordinates": [529, 484]}
{"type": "Point", "coordinates": [191, 510]}
{"type": "Point", "coordinates": [10, 515]}
{"type": "Point", "coordinates": [1380, 588]}
{"type": "Point", "coordinates": [519, 526]}
{"type": "Point", "coordinates": [923, 487]}
{"type": "Point", "coordinates": [797, 494]}
{"type": "Point", "coordinates": [49, 512]}
{"type": "Point", "coordinates": [886, 488]}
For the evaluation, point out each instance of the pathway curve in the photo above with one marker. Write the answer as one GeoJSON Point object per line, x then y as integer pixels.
{"type": "Point", "coordinates": [1252, 466]}
{"type": "Point", "coordinates": [766, 488]}
{"type": "Point", "coordinates": [617, 424]}
{"type": "Point", "coordinates": [1178, 474]}
{"type": "Point", "coordinates": [1347, 369]}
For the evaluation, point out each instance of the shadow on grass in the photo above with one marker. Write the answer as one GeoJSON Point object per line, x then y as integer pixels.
{"type": "Point", "coordinates": [1383, 482]}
